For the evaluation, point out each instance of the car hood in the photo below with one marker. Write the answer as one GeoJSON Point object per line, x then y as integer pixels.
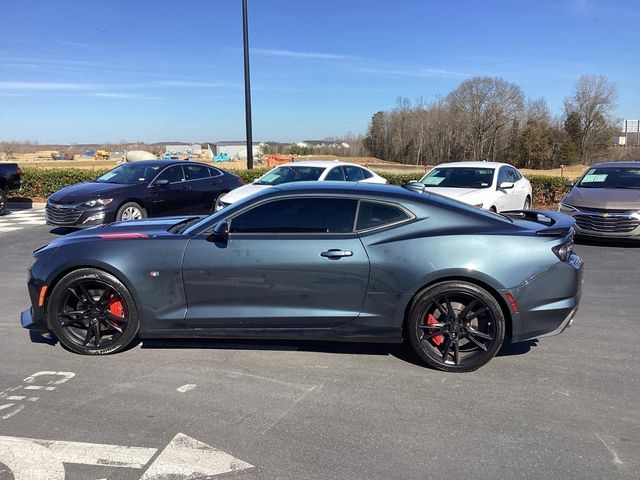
{"type": "Point", "coordinates": [472, 196]}
{"type": "Point", "coordinates": [82, 192]}
{"type": "Point", "coordinates": [243, 192]}
{"type": "Point", "coordinates": [604, 198]}
{"type": "Point", "coordinates": [125, 231]}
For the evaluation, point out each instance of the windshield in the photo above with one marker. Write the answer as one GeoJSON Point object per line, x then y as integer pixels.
{"type": "Point", "coordinates": [459, 177]}
{"type": "Point", "coordinates": [611, 177]}
{"type": "Point", "coordinates": [130, 174]}
{"type": "Point", "coordinates": [287, 174]}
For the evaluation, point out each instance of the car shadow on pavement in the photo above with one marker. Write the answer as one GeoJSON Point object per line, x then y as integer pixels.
{"type": "Point", "coordinates": [606, 242]}
{"type": "Point", "coordinates": [62, 230]}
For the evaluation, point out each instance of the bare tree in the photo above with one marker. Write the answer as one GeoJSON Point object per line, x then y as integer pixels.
{"type": "Point", "coordinates": [591, 104]}
{"type": "Point", "coordinates": [481, 107]}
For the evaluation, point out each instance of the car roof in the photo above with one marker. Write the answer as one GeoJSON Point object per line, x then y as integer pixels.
{"type": "Point", "coordinates": [164, 163]}
{"type": "Point", "coordinates": [318, 163]}
{"type": "Point", "coordinates": [630, 163]}
{"type": "Point", "coordinates": [474, 164]}
{"type": "Point", "coordinates": [349, 188]}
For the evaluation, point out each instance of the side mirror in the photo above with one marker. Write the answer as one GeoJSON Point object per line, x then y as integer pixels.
{"type": "Point", "coordinates": [569, 183]}
{"type": "Point", "coordinates": [220, 233]}
{"type": "Point", "coordinates": [161, 182]}
{"type": "Point", "coordinates": [506, 185]}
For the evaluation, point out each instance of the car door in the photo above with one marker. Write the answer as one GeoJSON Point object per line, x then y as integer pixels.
{"type": "Point", "coordinates": [288, 263]}
{"type": "Point", "coordinates": [170, 198]}
{"type": "Point", "coordinates": [502, 195]}
{"type": "Point", "coordinates": [520, 190]}
{"type": "Point", "coordinates": [203, 189]}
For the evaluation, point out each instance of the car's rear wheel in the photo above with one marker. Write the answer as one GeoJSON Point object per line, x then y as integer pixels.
{"type": "Point", "coordinates": [455, 326]}
{"type": "Point", "coordinates": [92, 312]}
{"type": "Point", "coordinates": [3, 200]}
{"type": "Point", "coordinates": [131, 211]}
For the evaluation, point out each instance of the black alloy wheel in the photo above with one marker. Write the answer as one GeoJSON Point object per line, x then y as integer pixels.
{"type": "Point", "coordinates": [91, 312]}
{"type": "Point", "coordinates": [456, 326]}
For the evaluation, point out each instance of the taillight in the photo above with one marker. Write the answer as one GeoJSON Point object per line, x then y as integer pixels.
{"type": "Point", "coordinates": [19, 171]}
{"type": "Point", "coordinates": [564, 251]}
{"type": "Point", "coordinates": [241, 181]}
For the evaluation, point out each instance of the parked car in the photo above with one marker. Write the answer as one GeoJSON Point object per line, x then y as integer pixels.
{"type": "Point", "coordinates": [493, 186]}
{"type": "Point", "coordinates": [316, 260]}
{"type": "Point", "coordinates": [605, 201]}
{"type": "Point", "coordinates": [146, 188]}
{"type": "Point", "coordinates": [10, 179]}
{"type": "Point", "coordinates": [324, 170]}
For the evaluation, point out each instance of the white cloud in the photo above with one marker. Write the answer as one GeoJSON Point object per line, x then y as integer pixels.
{"type": "Point", "coordinates": [294, 54]}
{"type": "Point", "coordinates": [46, 86]}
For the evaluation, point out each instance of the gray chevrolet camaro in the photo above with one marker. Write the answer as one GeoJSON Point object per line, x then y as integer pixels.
{"type": "Point", "coordinates": [323, 261]}
{"type": "Point", "coordinates": [605, 202]}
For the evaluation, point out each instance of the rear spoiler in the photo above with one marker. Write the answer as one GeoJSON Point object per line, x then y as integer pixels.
{"type": "Point", "coordinates": [553, 223]}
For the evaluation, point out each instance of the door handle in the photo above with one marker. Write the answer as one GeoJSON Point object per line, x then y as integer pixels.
{"type": "Point", "coordinates": [335, 253]}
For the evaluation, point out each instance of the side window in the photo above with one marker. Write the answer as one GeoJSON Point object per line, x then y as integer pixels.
{"type": "Point", "coordinates": [299, 215]}
{"type": "Point", "coordinates": [336, 174]}
{"type": "Point", "coordinates": [373, 215]}
{"type": "Point", "coordinates": [196, 172]}
{"type": "Point", "coordinates": [215, 172]}
{"type": "Point", "coordinates": [353, 174]}
{"type": "Point", "coordinates": [173, 174]}
{"type": "Point", "coordinates": [503, 175]}
{"type": "Point", "coordinates": [366, 173]}
{"type": "Point", "coordinates": [516, 175]}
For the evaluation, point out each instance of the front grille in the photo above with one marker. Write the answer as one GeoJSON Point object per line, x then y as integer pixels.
{"type": "Point", "coordinates": [615, 223]}
{"type": "Point", "coordinates": [62, 215]}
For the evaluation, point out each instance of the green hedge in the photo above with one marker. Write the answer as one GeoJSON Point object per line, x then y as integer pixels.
{"type": "Point", "coordinates": [42, 182]}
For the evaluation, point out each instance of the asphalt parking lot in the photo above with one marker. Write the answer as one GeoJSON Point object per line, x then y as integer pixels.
{"type": "Point", "coordinates": [561, 407]}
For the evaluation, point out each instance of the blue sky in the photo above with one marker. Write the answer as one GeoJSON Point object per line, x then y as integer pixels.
{"type": "Point", "coordinates": [106, 70]}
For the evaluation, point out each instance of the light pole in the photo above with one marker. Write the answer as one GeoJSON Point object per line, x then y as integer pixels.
{"type": "Point", "coordinates": [247, 85]}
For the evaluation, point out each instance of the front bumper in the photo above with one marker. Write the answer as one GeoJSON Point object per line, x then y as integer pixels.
{"type": "Point", "coordinates": [76, 216]}
{"type": "Point", "coordinates": [549, 302]}
{"type": "Point", "coordinates": [605, 223]}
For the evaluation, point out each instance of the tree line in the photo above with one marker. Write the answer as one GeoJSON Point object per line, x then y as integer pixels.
{"type": "Point", "coordinates": [489, 118]}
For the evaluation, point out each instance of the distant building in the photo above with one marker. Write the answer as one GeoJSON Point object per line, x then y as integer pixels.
{"type": "Point", "coordinates": [186, 149]}
{"type": "Point", "coordinates": [322, 144]}
{"type": "Point", "coordinates": [235, 149]}
{"type": "Point", "coordinates": [630, 134]}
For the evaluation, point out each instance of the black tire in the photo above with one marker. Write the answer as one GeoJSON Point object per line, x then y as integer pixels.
{"type": "Point", "coordinates": [126, 210]}
{"type": "Point", "coordinates": [80, 312]}
{"type": "Point", "coordinates": [461, 343]}
{"type": "Point", "coordinates": [527, 203]}
{"type": "Point", "coordinates": [3, 200]}
{"type": "Point", "coordinates": [493, 209]}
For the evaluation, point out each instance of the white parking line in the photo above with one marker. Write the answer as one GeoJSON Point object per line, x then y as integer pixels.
{"type": "Point", "coordinates": [18, 219]}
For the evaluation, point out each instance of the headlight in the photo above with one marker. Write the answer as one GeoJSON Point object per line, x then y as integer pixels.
{"type": "Point", "coordinates": [98, 202]}
{"type": "Point", "coordinates": [563, 207]}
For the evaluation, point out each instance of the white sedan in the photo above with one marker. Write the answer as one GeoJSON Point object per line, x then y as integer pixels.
{"type": "Point", "coordinates": [493, 186]}
{"type": "Point", "coordinates": [325, 170]}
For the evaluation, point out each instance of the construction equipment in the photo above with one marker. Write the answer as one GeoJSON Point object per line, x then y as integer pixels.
{"type": "Point", "coordinates": [274, 159]}
{"type": "Point", "coordinates": [221, 157]}
{"type": "Point", "coordinates": [102, 155]}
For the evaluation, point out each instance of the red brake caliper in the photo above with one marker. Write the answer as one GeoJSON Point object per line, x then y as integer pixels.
{"type": "Point", "coordinates": [116, 308]}
{"type": "Point", "coordinates": [438, 339]}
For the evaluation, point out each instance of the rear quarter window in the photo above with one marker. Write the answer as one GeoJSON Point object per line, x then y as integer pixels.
{"type": "Point", "coordinates": [373, 215]}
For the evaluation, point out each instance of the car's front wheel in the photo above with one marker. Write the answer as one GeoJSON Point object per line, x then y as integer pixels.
{"type": "Point", "coordinates": [455, 326]}
{"type": "Point", "coordinates": [527, 203]}
{"type": "Point", "coordinates": [92, 312]}
{"type": "Point", "coordinates": [130, 211]}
